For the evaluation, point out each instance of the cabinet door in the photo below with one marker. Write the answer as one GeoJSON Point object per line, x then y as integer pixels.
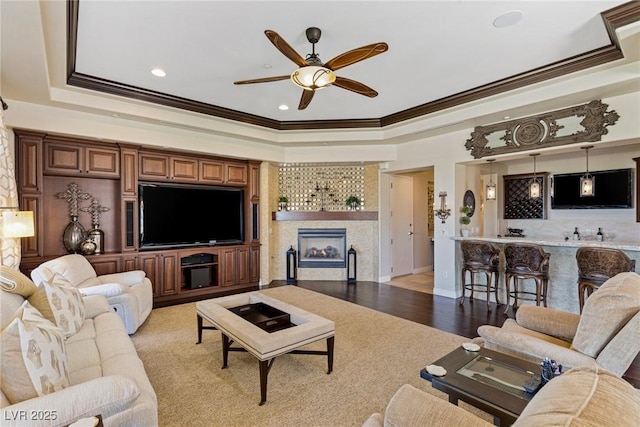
{"type": "Point", "coordinates": [236, 174]}
{"type": "Point", "coordinates": [169, 274]}
{"type": "Point", "coordinates": [243, 272]}
{"type": "Point", "coordinates": [102, 162]}
{"type": "Point", "coordinates": [254, 183]}
{"type": "Point", "coordinates": [105, 265]}
{"type": "Point", "coordinates": [255, 264]}
{"type": "Point", "coordinates": [129, 179]}
{"type": "Point", "coordinates": [228, 266]}
{"type": "Point", "coordinates": [183, 169]}
{"type": "Point", "coordinates": [211, 171]}
{"type": "Point", "coordinates": [149, 264]}
{"type": "Point", "coordinates": [63, 159]}
{"type": "Point", "coordinates": [153, 166]}
{"type": "Point", "coordinates": [129, 262]}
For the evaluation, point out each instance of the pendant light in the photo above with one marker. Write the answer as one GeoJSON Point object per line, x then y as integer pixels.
{"type": "Point", "coordinates": [491, 187]}
{"type": "Point", "coordinates": [587, 181]}
{"type": "Point", "coordinates": [535, 187]}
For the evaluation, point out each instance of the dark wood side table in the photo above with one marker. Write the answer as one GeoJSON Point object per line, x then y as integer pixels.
{"type": "Point", "coordinates": [504, 403]}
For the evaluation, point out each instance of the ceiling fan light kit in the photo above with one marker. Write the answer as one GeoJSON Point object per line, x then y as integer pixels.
{"type": "Point", "coordinates": [313, 77]}
{"type": "Point", "coordinates": [313, 74]}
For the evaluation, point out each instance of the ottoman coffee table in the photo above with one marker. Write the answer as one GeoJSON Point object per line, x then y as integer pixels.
{"type": "Point", "coordinates": [264, 327]}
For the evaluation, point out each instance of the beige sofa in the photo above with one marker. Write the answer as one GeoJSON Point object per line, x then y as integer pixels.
{"type": "Point", "coordinates": [606, 334]}
{"type": "Point", "coordinates": [96, 370]}
{"type": "Point", "coordinates": [579, 397]}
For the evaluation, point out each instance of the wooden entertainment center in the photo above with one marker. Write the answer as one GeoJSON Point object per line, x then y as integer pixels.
{"type": "Point", "coordinates": [46, 164]}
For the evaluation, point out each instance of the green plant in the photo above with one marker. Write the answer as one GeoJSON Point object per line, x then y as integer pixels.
{"type": "Point", "coordinates": [283, 199]}
{"type": "Point", "coordinates": [465, 219]}
{"type": "Point", "coordinates": [353, 200]}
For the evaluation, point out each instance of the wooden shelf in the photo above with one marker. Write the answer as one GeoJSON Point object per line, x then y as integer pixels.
{"type": "Point", "coordinates": [325, 216]}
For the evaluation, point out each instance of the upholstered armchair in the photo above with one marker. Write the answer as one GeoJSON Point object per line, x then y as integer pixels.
{"type": "Point", "coordinates": [129, 293]}
{"type": "Point", "coordinates": [607, 333]}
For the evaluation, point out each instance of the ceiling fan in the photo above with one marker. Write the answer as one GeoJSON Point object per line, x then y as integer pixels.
{"type": "Point", "coordinates": [312, 74]}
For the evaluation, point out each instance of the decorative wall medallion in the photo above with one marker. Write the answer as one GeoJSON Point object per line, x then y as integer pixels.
{"type": "Point", "coordinates": [582, 123]}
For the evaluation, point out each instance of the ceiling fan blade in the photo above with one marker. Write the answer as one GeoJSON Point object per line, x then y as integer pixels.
{"type": "Point", "coordinates": [262, 80]}
{"type": "Point", "coordinates": [355, 86]}
{"type": "Point", "coordinates": [285, 48]}
{"type": "Point", "coordinates": [307, 96]}
{"type": "Point", "coordinates": [356, 55]}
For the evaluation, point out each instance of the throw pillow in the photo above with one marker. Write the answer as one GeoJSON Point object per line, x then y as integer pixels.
{"type": "Point", "coordinates": [60, 303]}
{"type": "Point", "coordinates": [34, 360]}
{"type": "Point", "coordinates": [15, 282]}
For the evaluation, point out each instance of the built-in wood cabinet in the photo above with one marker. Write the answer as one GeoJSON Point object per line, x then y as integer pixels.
{"type": "Point", "coordinates": [76, 159]}
{"type": "Point", "coordinates": [46, 164]}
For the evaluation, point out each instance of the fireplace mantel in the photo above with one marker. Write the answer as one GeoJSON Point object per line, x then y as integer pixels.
{"type": "Point", "coordinates": [324, 216]}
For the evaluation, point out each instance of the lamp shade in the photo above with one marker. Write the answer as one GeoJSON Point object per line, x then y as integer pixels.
{"type": "Point", "coordinates": [313, 77]}
{"type": "Point", "coordinates": [17, 224]}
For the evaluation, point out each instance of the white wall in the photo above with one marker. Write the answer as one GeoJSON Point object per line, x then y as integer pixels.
{"type": "Point", "coordinates": [455, 171]}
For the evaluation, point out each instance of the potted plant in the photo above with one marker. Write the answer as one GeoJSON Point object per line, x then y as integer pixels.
{"type": "Point", "coordinates": [465, 220]}
{"type": "Point", "coordinates": [282, 203]}
{"type": "Point", "coordinates": [353, 202]}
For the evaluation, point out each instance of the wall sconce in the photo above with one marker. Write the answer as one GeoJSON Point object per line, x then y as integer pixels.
{"type": "Point", "coordinates": [535, 188]}
{"type": "Point", "coordinates": [443, 213]}
{"type": "Point", "coordinates": [16, 223]}
{"type": "Point", "coordinates": [491, 187]}
{"type": "Point", "coordinates": [587, 181]}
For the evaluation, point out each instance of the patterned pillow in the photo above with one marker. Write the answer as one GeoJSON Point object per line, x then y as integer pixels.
{"type": "Point", "coordinates": [34, 360]}
{"type": "Point", "coordinates": [60, 303]}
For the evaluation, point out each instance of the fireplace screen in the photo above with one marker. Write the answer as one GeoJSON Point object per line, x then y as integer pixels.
{"type": "Point", "coordinates": [322, 247]}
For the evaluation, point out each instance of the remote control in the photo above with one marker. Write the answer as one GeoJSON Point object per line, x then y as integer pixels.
{"type": "Point", "coordinates": [533, 384]}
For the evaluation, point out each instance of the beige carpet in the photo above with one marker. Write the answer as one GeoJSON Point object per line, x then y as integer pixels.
{"type": "Point", "coordinates": [375, 354]}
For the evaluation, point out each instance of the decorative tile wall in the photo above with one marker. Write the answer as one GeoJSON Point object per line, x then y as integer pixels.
{"type": "Point", "coordinates": [312, 188]}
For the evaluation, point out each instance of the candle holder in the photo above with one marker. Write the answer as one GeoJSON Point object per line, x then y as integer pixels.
{"type": "Point", "coordinates": [443, 213]}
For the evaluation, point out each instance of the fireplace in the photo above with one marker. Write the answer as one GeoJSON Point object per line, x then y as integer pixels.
{"type": "Point", "coordinates": [322, 247]}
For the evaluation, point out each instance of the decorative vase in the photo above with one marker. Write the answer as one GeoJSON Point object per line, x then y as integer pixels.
{"type": "Point", "coordinates": [73, 236]}
{"type": "Point", "coordinates": [88, 247]}
{"type": "Point", "coordinates": [464, 232]}
{"type": "Point", "coordinates": [353, 206]}
{"type": "Point", "coordinates": [97, 235]}
{"type": "Point", "coordinates": [282, 206]}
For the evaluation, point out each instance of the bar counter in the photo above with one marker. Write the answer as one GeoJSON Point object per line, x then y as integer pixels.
{"type": "Point", "coordinates": [563, 268]}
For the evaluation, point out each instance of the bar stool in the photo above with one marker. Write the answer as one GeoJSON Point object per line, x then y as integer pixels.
{"type": "Point", "coordinates": [480, 257]}
{"type": "Point", "coordinates": [597, 265]}
{"type": "Point", "coordinates": [526, 261]}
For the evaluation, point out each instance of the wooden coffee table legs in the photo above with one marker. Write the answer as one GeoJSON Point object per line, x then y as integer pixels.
{"type": "Point", "coordinates": [265, 365]}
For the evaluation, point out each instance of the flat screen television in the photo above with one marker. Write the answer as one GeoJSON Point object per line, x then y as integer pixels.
{"type": "Point", "coordinates": [613, 190]}
{"type": "Point", "coordinates": [176, 215]}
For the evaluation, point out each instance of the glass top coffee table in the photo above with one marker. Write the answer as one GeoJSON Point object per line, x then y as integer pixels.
{"type": "Point", "coordinates": [490, 381]}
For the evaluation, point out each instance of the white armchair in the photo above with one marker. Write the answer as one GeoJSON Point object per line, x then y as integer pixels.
{"type": "Point", "coordinates": [129, 293]}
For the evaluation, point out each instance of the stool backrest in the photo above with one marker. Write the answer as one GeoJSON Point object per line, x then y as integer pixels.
{"type": "Point", "coordinates": [526, 258]}
{"type": "Point", "coordinates": [479, 252]}
{"type": "Point", "coordinates": [599, 264]}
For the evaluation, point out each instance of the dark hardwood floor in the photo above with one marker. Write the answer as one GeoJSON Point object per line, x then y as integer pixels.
{"type": "Point", "coordinates": [427, 309]}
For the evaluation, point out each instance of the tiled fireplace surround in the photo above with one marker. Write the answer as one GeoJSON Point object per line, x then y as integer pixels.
{"type": "Point", "coordinates": [358, 180]}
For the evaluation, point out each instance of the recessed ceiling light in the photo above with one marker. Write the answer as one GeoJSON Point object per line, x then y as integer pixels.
{"type": "Point", "coordinates": [116, 115]}
{"type": "Point", "coordinates": [508, 19]}
{"type": "Point", "coordinates": [506, 117]}
{"type": "Point", "coordinates": [267, 65]}
{"type": "Point", "coordinates": [283, 107]}
{"type": "Point", "coordinates": [158, 72]}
